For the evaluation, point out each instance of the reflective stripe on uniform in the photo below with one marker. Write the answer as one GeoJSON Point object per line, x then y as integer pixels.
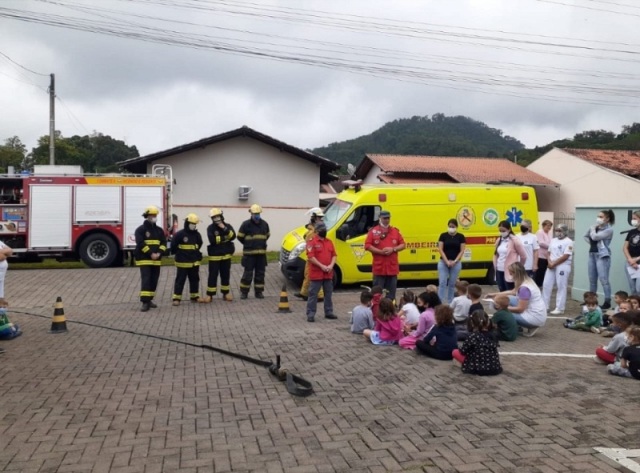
{"type": "Point", "coordinates": [147, 293]}
{"type": "Point", "coordinates": [145, 249]}
{"type": "Point", "coordinates": [218, 258]}
{"type": "Point", "coordinates": [148, 262]}
{"type": "Point", "coordinates": [187, 247]}
{"type": "Point", "coordinates": [151, 242]}
{"type": "Point", "coordinates": [187, 265]}
{"type": "Point", "coordinates": [256, 237]}
{"type": "Point", "coordinates": [254, 252]}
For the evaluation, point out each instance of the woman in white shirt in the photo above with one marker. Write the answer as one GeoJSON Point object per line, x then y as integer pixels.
{"type": "Point", "coordinates": [531, 247]}
{"type": "Point", "coordinates": [525, 300]}
{"type": "Point", "coordinates": [558, 270]}
{"type": "Point", "coordinates": [544, 240]}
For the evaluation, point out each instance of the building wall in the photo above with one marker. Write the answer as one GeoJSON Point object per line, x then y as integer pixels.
{"type": "Point", "coordinates": [585, 217]}
{"type": "Point", "coordinates": [285, 185]}
{"type": "Point", "coordinates": [372, 176]}
{"type": "Point", "coordinates": [581, 183]}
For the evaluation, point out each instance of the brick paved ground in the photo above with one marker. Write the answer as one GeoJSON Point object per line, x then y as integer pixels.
{"type": "Point", "coordinates": [99, 400]}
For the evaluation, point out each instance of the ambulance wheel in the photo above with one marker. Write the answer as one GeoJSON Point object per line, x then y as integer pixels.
{"type": "Point", "coordinates": [337, 276]}
{"type": "Point", "coordinates": [98, 250]}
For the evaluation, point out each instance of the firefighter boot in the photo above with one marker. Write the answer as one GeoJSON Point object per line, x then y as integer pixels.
{"type": "Point", "coordinates": [206, 299]}
{"type": "Point", "coordinates": [227, 297]}
{"type": "Point", "coordinates": [244, 295]}
{"type": "Point", "coordinates": [152, 305]}
{"type": "Point", "coordinates": [259, 295]}
{"type": "Point", "coordinates": [145, 307]}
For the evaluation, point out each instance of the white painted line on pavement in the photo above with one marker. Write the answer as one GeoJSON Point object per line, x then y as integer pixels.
{"type": "Point", "coordinates": [526, 353]}
{"type": "Point", "coordinates": [622, 456]}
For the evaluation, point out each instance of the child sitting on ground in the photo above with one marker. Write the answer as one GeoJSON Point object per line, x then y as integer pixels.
{"type": "Point", "coordinates": [429, 300]}
{"type": "Point", "coordinates": [503, 320]}
{"type": "Point", "coordinates": [388, 328]}
{"type": "Point", "coordinates": [361, 316]}
{"type": "Point", "coordinates": [588, 295]}
{"type": "Point", "coordinates": [474, 293]}
{"type": "Point", "coordinates": [479, 353]}
{"type": "Point", "coordinates": [612, 330]}
{"type": "Point", "coordinates": [618, 297]}
{"type": "Point", "coordinates": [590, 321]}
{"type": "Point", "coordinates": [378, 294]}
{"type": "Point", "coordinates": [409, 312]}
{"type": "Point", "coordinates": [635, 302]}
{"type": "Point", "coordinates": [629, 365]}
{"type": "Point", "coordinates": [461, 303]}
{"type": "Point", "coordinates": [431, 288]}
{"type": "Point", "coordinates": [612, 352]}
{"type": "Point", "coordinates": [441, 340]}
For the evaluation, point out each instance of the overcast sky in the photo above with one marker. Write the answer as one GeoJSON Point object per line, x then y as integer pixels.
{"type": "Point", "coordinates": [161, 73]}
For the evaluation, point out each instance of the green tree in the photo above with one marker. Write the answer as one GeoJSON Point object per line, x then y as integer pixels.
{"type": "Point", "coordinates": [96, 153]}
{"type": "Point", "coordinates": [12, 153]}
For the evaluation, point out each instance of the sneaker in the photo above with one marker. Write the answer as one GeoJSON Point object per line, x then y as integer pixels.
{"type": "Point", "coordinates": [331, 316]}
{"type": "Point", "coordinates": [206, 300]}
{"type": "Point", "coordinates": [175, 303]}
{"type": "Point", "coordinates": [595, 330]}
{"type": "Point", "coordinates": [145, 307]}
{"type": "Point", "coordinates": [606, 305]}
{"type": "Point", "coordinates": [152, 305]}
{"type": "Point", "coordinates": [599, 361]}
{"type": "Point", "coordinates": [568, 320]}
{"type": "Point", "coordinates": [311, 319]}
{"type": "Point", "coordinates": [259, 295]}
{"type": "Point", "coordinates": [243, 295]}
{"type": "Point", "coordinates": [557, 312]}
{"type": "Point", "coordinates": [530, 332]}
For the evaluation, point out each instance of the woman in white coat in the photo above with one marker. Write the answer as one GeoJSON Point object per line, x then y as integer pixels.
{"type": "Point", "coordinates": [558, 270]}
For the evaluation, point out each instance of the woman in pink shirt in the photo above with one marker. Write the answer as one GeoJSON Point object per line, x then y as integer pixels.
{"type": "Point", "coordinates": [509, 249]}
{"type": "Point", "coordinates": [544, 239]}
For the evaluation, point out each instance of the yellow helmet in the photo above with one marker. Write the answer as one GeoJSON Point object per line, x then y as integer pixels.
{"type": "Point", "coordinates": [255, 209]}
{"type": "Point", "coordinates": [192, 218]}
{"type": "Point", "coordinates": [215, 212]}
{"type": "Point", "coordinates": [151, 210]}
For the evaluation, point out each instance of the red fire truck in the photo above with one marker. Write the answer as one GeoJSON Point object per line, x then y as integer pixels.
{"type": "Point", "coordinates": [58, 211]}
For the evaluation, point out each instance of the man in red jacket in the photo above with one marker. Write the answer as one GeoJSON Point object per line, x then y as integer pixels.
{"type": "Point", "coordinates": [385, 242]}
{"type": "Point", "coordinates": [321, 255]}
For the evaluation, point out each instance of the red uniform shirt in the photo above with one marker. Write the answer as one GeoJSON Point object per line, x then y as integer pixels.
{"type": "Point", "coordinates": [379, 237]}
{"type": "Point", "coordinates": [323, 250]}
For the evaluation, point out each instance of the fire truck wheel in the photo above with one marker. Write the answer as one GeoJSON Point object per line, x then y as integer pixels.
{"type": "Point", "coordinates": [98, 250]}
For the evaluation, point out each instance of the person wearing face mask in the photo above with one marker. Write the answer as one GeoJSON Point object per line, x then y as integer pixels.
{"type": "Point", "coordinates": [151, 244]}
{"type": "Point", "coordinates": [544, 239]}
{"type": "Point", "coordinates": [253, 234]}
{"type": "Point", "coordinates": [599, 237]}
{"type": "Point", "coordinates": [559, 269]}
{"type": "Point", "coordinates": [186, 245]}
{"type": "Point", "coordinates": [385, 242]}
{"type": "Point", "coordinates": [220, 250]}
{"type": "Point", "coordinates": [631, 250]}
{"type": "Point", "coordinates": [508, 250]}
{"type": "Point", "coordinates": [321, 255]}
{"type": "Point", "coordinates": [451, 246]}
{"type": "Point", "coordinates": [530, 243]}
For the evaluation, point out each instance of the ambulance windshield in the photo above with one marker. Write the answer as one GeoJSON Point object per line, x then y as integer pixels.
{"type": "Point", "coordinates": [334, 212]}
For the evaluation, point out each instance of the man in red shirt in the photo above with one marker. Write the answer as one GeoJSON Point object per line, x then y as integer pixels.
{"type": "Point", "coordinates": [385, 242]}
{"type": "Point", "coordinates": [321, 255]}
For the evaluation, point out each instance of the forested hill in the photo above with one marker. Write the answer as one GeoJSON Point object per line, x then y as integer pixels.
{"type": "Point", "coordinates": [438, 135]}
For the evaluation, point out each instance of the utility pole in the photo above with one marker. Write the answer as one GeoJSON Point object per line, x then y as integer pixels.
{"type": "Point", "coordinates": [52, 120]}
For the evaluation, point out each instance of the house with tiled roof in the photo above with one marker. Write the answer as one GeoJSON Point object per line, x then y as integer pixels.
{"type": "Point", "coordinates": [588, 177]}
{"type": "Point", "coordinates": [237, 168]}
{"type": "Point", "coordinates": [411, 169]}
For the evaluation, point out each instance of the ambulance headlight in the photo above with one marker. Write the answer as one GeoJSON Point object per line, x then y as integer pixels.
{"type": "Point", "coordinates": [297, 250]}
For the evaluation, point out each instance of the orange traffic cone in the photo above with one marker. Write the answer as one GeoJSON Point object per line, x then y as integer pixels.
{"type": "Point", "coordinates": [283, 305]}
{"type": "Point", "coordinates": [58, 322]}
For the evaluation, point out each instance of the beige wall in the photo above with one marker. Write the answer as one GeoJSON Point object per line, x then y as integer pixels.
{"type": "Point", "coordinates": [581, 183]}
{"type": "Point", "coordinates": [372, 176]}
{"type": "Point", "coordinates": [285, 185]}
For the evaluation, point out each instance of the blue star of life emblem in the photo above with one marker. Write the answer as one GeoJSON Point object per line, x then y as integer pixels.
{"type": "Point", "coordinates": [514, 216]}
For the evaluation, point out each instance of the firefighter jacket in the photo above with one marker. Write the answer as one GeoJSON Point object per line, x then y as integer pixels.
{"type": "Point", "coordinates": [150, 238]}
{"type": "Point", "coordinates": [220, 242]}
{"type": "Point", "coordinates": [253, 237]}
{"type": "Point", "coordinates": [186, 245]}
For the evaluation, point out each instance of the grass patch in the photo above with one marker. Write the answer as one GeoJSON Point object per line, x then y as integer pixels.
{"type": "Point", "coordinates": [52, 263]}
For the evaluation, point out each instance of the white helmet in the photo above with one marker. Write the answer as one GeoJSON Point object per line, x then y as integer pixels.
{"type": "Point", "coordinates": [315, 211]}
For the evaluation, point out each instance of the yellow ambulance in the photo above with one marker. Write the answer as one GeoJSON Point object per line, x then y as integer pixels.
{"type": "Point", "coordinates": [421, 213]}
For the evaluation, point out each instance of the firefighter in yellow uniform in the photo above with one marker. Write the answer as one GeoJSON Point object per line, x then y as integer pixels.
{"type": "Point", "coordinates": [253, 234]}
{"type": "Point", "coordinates": [151, 245]}
{"type": "Point", "coordinates": [186, 245]}
{"type": "Point", "coordinates": [220, 250]}
{"type": "Point", "coordinates": [316, 217]}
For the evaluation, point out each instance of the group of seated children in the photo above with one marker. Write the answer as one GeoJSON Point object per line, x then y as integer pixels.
{"type": "Point", "coordinates": [622, 353]}
{"type": "Point", "coordinates": [434, 329]}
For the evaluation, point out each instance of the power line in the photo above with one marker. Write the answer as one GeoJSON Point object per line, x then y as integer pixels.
{"type": "Point", "coordinates": [23, 67]}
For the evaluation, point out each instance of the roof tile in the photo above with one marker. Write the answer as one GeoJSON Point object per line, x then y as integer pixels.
{"type": "Point", "coordinates": [459, 169]}
{"type": "Point", "coordinates": [623, 161]}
